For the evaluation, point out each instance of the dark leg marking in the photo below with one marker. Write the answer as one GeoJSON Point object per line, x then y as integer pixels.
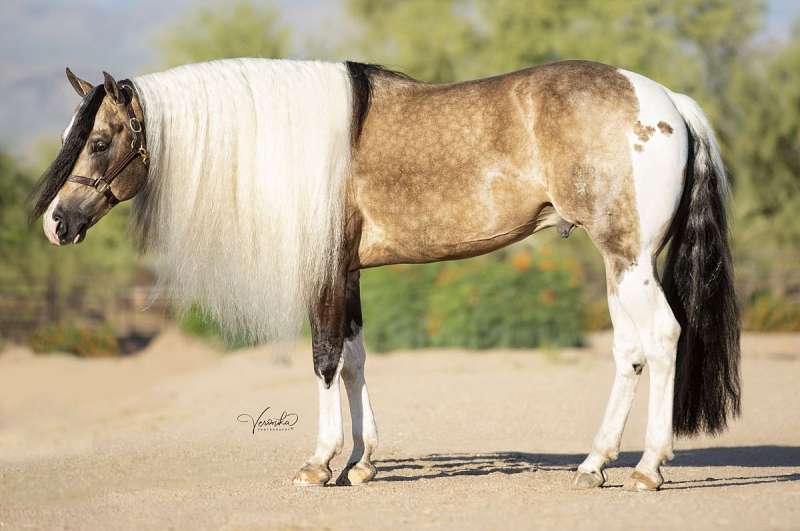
{"type": "Point", "coordinates": [326, 316]}
{"type": "Point", "coordinates": [334, 316]}
{"type": "Point", "coordinates": [353, 321]}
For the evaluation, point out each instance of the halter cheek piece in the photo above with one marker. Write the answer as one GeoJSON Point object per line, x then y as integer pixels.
{"type": "Point", "coordinates": [138, 149]}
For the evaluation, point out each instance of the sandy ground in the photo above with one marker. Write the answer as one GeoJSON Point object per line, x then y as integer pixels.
{"type": "Point", "coordinates": [468, 441]}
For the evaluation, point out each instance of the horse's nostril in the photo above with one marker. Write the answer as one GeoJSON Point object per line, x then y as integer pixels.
{"type": "Point", "coordinates": [61, 227]}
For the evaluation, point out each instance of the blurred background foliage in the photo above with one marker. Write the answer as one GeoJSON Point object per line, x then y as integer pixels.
{"type": "Point", "coordinates": [541, 292]}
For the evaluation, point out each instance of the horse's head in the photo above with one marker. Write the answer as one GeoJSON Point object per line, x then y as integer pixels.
{"type": "Point", "coordinates": [103, 160]}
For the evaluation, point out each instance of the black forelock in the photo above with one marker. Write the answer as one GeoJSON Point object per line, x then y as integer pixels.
{"type": "Point", "coordinates": [56, 175]}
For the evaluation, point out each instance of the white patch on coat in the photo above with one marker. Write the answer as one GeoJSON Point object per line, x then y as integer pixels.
{"type": "Point", "coordinates": [658, 168]}
{"type": "Point", "coordinates": [49, 223]}
{"type": "Point", "coordinates": [65, 134]}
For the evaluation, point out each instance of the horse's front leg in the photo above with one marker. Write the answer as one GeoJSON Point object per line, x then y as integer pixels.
{"type": "Point", "coordinates": [359, 467]}
{"type": "Point", "coordinates": [327, 318]}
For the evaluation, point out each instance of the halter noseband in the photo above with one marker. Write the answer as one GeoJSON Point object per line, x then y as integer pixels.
{"type": "Point", "coordinates": [138, 149]}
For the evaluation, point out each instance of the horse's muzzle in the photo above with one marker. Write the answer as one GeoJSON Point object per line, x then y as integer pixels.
{"type": "Point", "coordinates": [70, 226]}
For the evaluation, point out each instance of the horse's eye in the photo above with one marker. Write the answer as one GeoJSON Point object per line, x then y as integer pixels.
{"type": "Point", "coordinates": [98, 146]}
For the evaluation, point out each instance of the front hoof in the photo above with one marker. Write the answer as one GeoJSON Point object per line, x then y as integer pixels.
{"type": "Point", "coordinates": [357, 474]}
{"type": "Point", "coordinates": [312, 475]}
{"type": "Point", "coordinates": [639, 482]}
{"type": "Point", "coordinates": [588, 480]}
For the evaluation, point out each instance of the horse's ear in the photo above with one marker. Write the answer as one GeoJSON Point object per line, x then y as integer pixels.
{"type": "Point", "coordinates": [81, 87]}
{"type": "Point", "coordinates": [112, 89]}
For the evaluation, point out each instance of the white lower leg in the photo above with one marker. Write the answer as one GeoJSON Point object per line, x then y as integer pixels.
{"type": "Point", "coordinates": [629, 360]}
{"type": "Point", "coordinates": [605, 446]}
{"type": "Point", "coordinates": [365, 432]}
{"type": "Point", "coordinates": [329, 436]}
{"type": "Point", "coordinates": [645, 302]}
{"type": "Point", "coordinates": [658, 441]}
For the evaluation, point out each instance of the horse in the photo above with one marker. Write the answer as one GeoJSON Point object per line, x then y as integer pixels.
{"type": "Point", "coordinates": [265, 186]}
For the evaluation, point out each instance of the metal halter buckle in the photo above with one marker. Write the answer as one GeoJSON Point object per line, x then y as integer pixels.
{"type": "Point", "coordinates": [101, 185]}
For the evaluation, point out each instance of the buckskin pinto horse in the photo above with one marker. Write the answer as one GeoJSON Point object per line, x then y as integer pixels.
{"type": "Point", "coordinates": [265, 186]}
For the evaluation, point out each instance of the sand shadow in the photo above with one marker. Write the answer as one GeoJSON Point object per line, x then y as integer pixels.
{"type": "Point", "coordinates": [435, 466]}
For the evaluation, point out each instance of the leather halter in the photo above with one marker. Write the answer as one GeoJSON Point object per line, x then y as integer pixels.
{"type": "Point", "coordinates": [138, 149]}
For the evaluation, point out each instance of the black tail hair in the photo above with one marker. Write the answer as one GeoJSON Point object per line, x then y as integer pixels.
{"type": "Point", "coordinates": [698, 282]}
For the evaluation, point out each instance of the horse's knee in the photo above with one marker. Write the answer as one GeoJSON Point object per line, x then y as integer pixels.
{"type": "Point", "coordinates": [326, 369]}
{"type": "Point", "coordinates": [352, 373]}
{"type": "Point", "coordinates": [354, 359]}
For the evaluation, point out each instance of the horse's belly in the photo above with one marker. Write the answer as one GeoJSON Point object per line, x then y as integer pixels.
{"type": "Point", "coordinates": [415, 224]}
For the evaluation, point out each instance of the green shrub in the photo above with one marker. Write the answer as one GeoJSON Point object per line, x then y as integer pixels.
{"type": "Point", "coordinates": [596, 315]}
{"type": "Point", "coordinates": [197, 322]}
{"type": "Point", "coordinates": [395, 302]}
{"type": "Point", "coordinates": [523, 300]}
{"type": "Point", "coordinates": [81, 340]}
{"type": "Point", "coordinates": [767, 312]}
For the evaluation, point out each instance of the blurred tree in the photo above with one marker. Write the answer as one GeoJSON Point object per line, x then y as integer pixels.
{"type": "Point", "coordinates": [433, 41]}
{"type": "Point", "coordinates": [60, 277]}
{"type": "Point", "coordinates": [689, 45]}
{"type": "Point", "coordinates": [242, 29]}
{"type": "Point", "coordinates": [766, 159]}
{"type": "Point", "coordinates": [17, 249]}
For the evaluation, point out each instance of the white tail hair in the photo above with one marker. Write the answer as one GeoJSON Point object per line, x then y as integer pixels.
{"type": "Point", "coordinates": [702, 130]}
{"type": "Point", "coordinates": [244, 203]}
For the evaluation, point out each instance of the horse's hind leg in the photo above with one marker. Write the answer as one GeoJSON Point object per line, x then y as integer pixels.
{"type": "Point", "coordinates": [644, 301]}
{"type": "Point", "coordinates": [359, 467]}
{"type": "Point", "coordinates": [645, 330]}
{"type": "Point", "coordinates": [629, 361]}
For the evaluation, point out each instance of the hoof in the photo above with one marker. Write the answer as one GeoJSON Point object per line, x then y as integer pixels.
{"type": "Point", "coordinates": [357, 474]}
{"type": "Point", "coordinates": [639, 482]}
{"type": "Point", "coordinates": [588, 480]}
{"type": "Point", "coordinates": [312, 475]}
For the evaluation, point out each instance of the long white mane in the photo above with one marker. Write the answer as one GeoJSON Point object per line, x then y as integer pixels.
{"type": "Point", "coordinates": [245, 195]}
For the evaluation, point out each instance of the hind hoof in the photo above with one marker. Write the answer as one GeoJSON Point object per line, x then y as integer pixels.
{"type": "Point", "coordinates": [312, 475]}
{"type": "Point", "coordinates": [639, 482]}
{"type": "Point", "coordinates": [588, 480]}
{"type": "Point", "coordinates": [357, 474]}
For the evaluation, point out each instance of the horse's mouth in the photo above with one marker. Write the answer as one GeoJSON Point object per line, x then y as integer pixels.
{"type": "Point", "coordinates": [81, 235]}
{"type": "Point", "coordinates": [64, 238]}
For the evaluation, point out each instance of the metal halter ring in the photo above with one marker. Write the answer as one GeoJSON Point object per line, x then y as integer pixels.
{"type": "Point", "coordinates": [102, 185]}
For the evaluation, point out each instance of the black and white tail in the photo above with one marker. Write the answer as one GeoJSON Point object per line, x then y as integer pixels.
{"type": "Point", "coordinates": [698, 282]}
